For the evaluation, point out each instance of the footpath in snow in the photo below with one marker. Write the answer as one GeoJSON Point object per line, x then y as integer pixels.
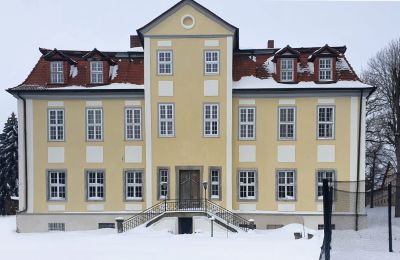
{"type": "Point", "coordinates": [142, 243]}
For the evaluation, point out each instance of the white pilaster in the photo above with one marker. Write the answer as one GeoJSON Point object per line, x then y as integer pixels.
{"type": "Point", "coordinates": [30, 159]}
{"type": "Point", "coordinates": [21, 155]}
{"type": "Point", "coordinates": [353, 137]}
{"type": "Point", "coordinates": [229, 172]}
{"type": "Point", "coordinates": [147, 104]}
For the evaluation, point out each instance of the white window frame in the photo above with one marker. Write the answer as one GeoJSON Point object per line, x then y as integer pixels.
{"type": "Point", "coordinates": [97, 126]}
{"type": "Point", "coordinates": [210, 121]}
{"type": "Point", "coordinates": [99, 184]}
{"type": "Point", "coordinates": [59, 185]}
{"type": "Point", "coordinates": [136, 185]}
{"type": "Point", "coordinates": [166, 120]}
{"type": "Point", "coordinates": [133, 123]}
{"type": "Point", "coordinates": [215, 183]}
{"type": "Point", "coordinates": [96, 72]}
{"type": "Point", "coordinates": [59, 128]}
{"type": "Point", "coordinates": [287, 72]}
{"type": "Point", "coordinates": [246, 124]}
{"type": "Point", "coordinates": [57, 72]}
{"type": "Point", "coordinates": [247, 184]}
{"type": "Point", "coordinates": [286, 123]}
{"type": "Point", "coordinates": [319, 182]}
{"type": "Point", "coordinates": [211, 62]}
{"type": "Point", "coordinates": [325, 68]}
{"type": "Point", "coordinates": [163, 178]}
{"type": "Point", "coordinates": [286, 184]}
{"type": "Point", "coordinates": [326, 123]}
{"type": "Point", "coordinates": [166, 64]}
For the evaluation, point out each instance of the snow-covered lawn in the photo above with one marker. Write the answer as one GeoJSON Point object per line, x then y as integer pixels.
{"type": "Point", "coordinates": [368, 244]}
{"type": "Point", "coordinates": [147, 244]}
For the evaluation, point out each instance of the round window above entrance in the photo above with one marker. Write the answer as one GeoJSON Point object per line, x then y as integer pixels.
{"type": "Point", "coordinates": [187, 21]}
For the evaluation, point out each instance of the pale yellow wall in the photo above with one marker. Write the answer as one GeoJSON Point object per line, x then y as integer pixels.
{"type": "Point", "coordinates": [75, 154]}
{"type": "Point", "coordinates": [306, 150]}
{"type": "Point", "coordinates": [203, 24]}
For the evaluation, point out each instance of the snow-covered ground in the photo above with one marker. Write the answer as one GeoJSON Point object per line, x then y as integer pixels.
{"type": "Point", "coordinates": [368, 244]}
{"type": "Point", "coordinates": [144, 243]}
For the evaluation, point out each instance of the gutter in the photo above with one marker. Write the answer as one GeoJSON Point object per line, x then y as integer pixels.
{"type": "Point", "coordinates": [359, 157]}
{"type": "Point", "coordinates": [26, 158]}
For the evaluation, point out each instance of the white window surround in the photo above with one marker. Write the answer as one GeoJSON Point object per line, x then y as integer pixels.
{"type": "Point", "coordinates": [56, 124]}
{"type": "Point", "coordinates": [94, 124]}
{"type": "Point", "coordinates": [95, 184]}
{"type": "Point", "coordinates": [286, 185]}
{"type": "Point", "coordinates": [287, 70]}
{"type": "Point", "coordinates": [96, 72]}
{"type": "Point", "coordinates": [247, 123]}
{"type": "Point", "coordinates": [164, 62]}
{"type": "Point", "coordinates": [57, 72]}
{"type": "Point", "coordinates": [211, 62]}
{"type": "Point", "coordinates": [133, 184]}
{"type": "Point", "coordinates": [287, 123]}
{"type": "Point", "coordinates": [247, 184]}
{"type": "Point", "coordinates": [57, 188]}
{"type": "Point", "coordinates": [215, 183]}
{"type": "Point", "coordinates": [325, 122]}
{"type": "Point", "coordinates": [133, 123]}
{"type": "Point", "coordinates": [330, 175]}
{"type": "Point", "coordinates": [211, 120]}
{"type": "Point", "coordinates": [325, 69]}
{"type": "Point", "coordinates": [166, 120]}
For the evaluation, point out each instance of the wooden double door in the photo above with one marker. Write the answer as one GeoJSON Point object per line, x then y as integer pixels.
{"type": "Point", "coordinates": [189, 185]}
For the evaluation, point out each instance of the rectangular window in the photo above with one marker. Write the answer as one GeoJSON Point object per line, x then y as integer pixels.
{"type": "Point", "coordinates": [133, 124]}
{"type": "Point", "coordinates": [96, 72]}
{"type": "Point", "coordinates": [95, 184]}
{"type": "Point", "coordinates": [164, 61]}
{"type": "Point", "coordinates": [287, 123]}
{"type": "Point", "coordinates": [287, 69]}
{"type": "Point", "coordinates": [321, 175]}
{"type": "Point", "coordinates": [211, 62]}
{"type": "Point", "coordinates": [57, 72]}
{"type": "Point", "coordinates": [247, 123]}
{"type": "Point", "coordinates": [247, 185]}
{"type": "Point", "coordinates": [211, 119]}
{"type": "Point", "coordinates": [56, 124]}
{"type": "Point", "coordinates": [56, 185]}
{"type": "Point", "coordinates": [326, 122]}
{"type": "Point", "coordinates": [286, 184]}
{"type": "Point", "coordinates": [56, 226]}
{"type": "Point", "coordinates": [133, 185]}
{"type": "Point", "coordinates": [166, 120]}
{"type": "Point", "coordinates": [94, 123]}
{"type": "Point", "coordinates": [106, 225]}
{"type": "Point", "coordinates": [321, 226]}
{"type": "Point", "coordinates": [325, 69]}
{"type": "Point", "coordinates": [163, 183]}
{"type": "Point", "coordinates": [215, 184]}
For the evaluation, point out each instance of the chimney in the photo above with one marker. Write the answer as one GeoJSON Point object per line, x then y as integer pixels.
{"type": "Point", "coordinates": [270, 44]}
{"type": "Point", "coordinates": [135, 41]}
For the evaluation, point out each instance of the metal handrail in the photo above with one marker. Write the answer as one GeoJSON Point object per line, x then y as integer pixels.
{"type": "Point", "coordinates": [201, 205]}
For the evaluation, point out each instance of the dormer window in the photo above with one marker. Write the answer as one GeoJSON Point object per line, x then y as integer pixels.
{"type": "Point", "coordinates": [287, 70]}
{"type": "Point", "coordinates": [96, 72]}
{"type": "Point", "coordinates": [325, 69]}
{"type": "Point", "coordinates": [57, 72]}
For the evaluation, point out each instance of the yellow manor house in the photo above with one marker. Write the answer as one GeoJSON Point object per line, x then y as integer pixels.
{"type": "Point", "coordinates": [185, 126]}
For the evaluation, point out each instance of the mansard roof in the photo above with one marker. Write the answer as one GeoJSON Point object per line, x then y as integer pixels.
{"type": "Point", "coordinates": [198, 7]}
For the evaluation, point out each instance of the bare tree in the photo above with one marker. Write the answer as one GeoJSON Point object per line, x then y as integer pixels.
{"type": "Point", "coordinates": [383, 72]}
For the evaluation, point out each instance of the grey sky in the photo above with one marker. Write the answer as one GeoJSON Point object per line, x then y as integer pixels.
{"type": "Point", "coordinates": [26, 25]}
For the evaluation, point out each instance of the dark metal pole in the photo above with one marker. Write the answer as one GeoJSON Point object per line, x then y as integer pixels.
{"type": "Point", "coordinates": [390, 216]}
{"type": "Point", "coordinates": [325, 192]}
{"type": "Point", "coordinates": [212, 226]}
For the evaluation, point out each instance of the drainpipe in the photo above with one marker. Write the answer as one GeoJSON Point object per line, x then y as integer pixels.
{"type": "Point", "coordinates": [26, 157]}
{"type": "Point", "coordinates": [358, 157]}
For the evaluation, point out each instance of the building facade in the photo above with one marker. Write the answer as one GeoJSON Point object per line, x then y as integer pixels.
{"type": "Point", "coordinates": [108, 134]}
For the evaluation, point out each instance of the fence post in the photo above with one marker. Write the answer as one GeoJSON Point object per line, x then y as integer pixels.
{"type": "Point", "coordinates": [120, 227]}
{"type": "Point", "coordinates": [390, 216]}
{"type": "Point", "coordinates": [327, 200]}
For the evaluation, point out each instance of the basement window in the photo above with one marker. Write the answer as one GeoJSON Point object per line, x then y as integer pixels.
{"type": "Point", "coordinates": [56, 226]}
{"type": "Point", "coordinates": [106, 225]}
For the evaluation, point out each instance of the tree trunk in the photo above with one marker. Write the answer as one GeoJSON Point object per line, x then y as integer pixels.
{"type": "Point", "coordinates": [372, 182]}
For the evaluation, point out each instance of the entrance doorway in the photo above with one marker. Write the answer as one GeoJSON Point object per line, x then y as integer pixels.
{"type": "Point", "coordinates": [189, 185]}
{"type": "Point", "coordinates": [185, 225]}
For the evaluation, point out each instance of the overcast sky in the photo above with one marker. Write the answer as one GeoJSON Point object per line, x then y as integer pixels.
{"type": "Point", "coordinates": [26, 25]}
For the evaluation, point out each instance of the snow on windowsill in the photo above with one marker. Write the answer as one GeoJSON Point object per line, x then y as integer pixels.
{"type": "Point", "coordinates": [252, 82]}
{"type": "Point", "coordinates": [113, 86]}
